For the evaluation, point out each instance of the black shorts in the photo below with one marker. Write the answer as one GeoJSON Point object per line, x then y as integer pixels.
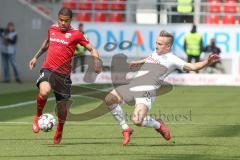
{"type": "Point", "coordinates": [61, 84]}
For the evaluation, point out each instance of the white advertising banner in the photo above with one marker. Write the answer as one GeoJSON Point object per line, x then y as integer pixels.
{"type": "Point", "coordinates": [138, 41]}
{"type": "Point", "coordinates": [142, 37]}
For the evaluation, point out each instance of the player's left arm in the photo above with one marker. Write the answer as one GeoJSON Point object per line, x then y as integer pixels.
{"type": "Point", "coordinates": [94, 53]}
{"type": "Point", "coordinates": [212, 58]}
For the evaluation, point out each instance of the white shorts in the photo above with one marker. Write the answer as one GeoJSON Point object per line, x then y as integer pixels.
{"type": "Point", "coordinates": [148, 101]}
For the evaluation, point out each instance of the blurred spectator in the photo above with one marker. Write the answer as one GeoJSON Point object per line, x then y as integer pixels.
{"type": "Point", "coordinates": [212, 48]}
{"type": "Point", "coordinates": [9, 41]}
{"type": "Point", "coordinates": [1, 36]}
{"type": "Point", "coordinates": [184, 8]}
{"type": "Point", "coordinates": [193, 45]}
{"type": "Point", "coordinates": [79, 54]}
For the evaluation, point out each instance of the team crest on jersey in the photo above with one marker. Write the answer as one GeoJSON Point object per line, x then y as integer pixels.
{"type": "Point", "coordinates": [68, 35]}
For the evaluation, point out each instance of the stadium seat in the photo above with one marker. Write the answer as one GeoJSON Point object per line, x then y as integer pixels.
{"type": "Point", "coordinates": [117, 4]}
{"type": "Point", "coordinates": [85, 5]}
{"type": "Point", "coordinates": [116, 17]}
{"type": "Point", "coordinates": [70, 4]}
{"type": "Point", "coordinates": [100, 17]}
{"type": "Point", "coordinates": [228, 19]}
{"type": "Point", "coordinates": [83, 16]}
{"type": "Point", "coordinates": [101, 5]}
{"type": "Point", "coordinates": [230, 6]}
{"type": "Point", "coordinates": [212, 19]}
{"type": "Point", "coordinates": [214, 6]}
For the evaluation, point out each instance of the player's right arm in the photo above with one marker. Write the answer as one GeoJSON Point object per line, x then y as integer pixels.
{"type": "Point", "coordinates": [212, 58]}
{"type": "Point", "coordinates": [42, 49]}
{"type": "Point", "coordinates": [136, 63]}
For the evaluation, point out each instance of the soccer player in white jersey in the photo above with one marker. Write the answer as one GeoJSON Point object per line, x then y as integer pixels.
{"type": "Point", "coordinates": [162, 57]}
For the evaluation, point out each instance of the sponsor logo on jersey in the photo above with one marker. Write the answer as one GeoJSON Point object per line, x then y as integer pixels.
{"type": "Point", "coordinates": [152, 59]}
{"type": "Point", "coordinates": [58, 40]}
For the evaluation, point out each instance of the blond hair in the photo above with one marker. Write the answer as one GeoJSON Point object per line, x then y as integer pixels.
{"type": "Point", "coordinates": [168, 35]}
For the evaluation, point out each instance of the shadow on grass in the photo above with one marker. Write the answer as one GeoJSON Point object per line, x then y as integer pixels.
{"type": "Point", "coordinates": [141, 156]}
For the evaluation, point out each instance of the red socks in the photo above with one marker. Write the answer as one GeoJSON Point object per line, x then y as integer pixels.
{"type": "Point", "coordinates": [62, 116]}
{"type": "Point", "coordinates": [40, 105]}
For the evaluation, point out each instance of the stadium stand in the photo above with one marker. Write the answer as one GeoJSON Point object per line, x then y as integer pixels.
{"type": "Point", "coordinates": [230, 6]}
{"type": "Point", "coordinates": [228, 19]}
{"type": "Point", "coordinates": [83, 16]}
{"type": "Point", "coordinates": [151, 11]}
{"type": "Point", "coordinates": [212, 19]}
{"type": "Point", "coordinates": [214, 6]}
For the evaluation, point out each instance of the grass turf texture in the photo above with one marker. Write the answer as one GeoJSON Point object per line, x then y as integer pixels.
{"type": "Point", "coordinates": [204, 123]}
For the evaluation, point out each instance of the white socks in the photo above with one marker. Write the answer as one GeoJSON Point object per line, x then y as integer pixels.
{"type": "Point", "coordinates": [118, 114]}
{"type": "Point", "coordinates": [150, 122]}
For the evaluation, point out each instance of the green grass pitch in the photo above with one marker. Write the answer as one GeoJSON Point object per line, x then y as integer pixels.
{"type": "Point", "coordinates": [204, 123]}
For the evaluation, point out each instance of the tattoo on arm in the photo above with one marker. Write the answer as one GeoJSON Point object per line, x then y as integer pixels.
{"type": "Point", "coordinates": [42, 49]}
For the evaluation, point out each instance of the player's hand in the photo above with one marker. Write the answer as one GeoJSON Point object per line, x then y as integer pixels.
{"type": "Point", "coordinates": [212, 58]}
{"type": "Point", "coordinates": [132, 65]}
{"type": "Point", "coordinates": [97, 65]}
{"type": "Point", "coordinates": [32, 63]}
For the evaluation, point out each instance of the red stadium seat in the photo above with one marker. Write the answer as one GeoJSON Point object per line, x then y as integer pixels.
{"type": "Point", "coordinates": [100, 17]}
{"type": "Point", "coordinates": [230, 6]}
{"type": "Point", "coordinates": [84, 17]}
{"type": "Point", "coordinates": [214, 6]}
{"type": "Point", "coordinates": [212, 19]}
{"type": "Point", "coordinates": [70, 4]}
{"type": "Point", "coordinates": [228, 19]}
{"type": "Point", "coordinates": [101, 4]}
{"type": "Point", "coordinates": [118, 5]}
{"type": "Point", "coordinates": [85, 5]}
{"type": "Point", "coordinates": [116, 17]}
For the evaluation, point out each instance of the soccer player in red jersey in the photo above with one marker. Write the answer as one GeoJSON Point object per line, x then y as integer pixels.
{"type": "Point", "coordinates": [56, 68]}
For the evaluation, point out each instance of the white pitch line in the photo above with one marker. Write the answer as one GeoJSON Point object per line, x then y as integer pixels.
{"type": "Point", "coordinates": [21, 104]}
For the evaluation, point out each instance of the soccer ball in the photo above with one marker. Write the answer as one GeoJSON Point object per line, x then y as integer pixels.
{"type": "Point", "coordinates": [46, 122]}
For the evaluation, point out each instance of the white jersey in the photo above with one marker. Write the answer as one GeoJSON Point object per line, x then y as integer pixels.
{"type": "Point", "coordinates": [151, 81]}
{"type": "Point", "coordinates": [151, 75]}
{"type": "Point", "coordinates": [168, 60]}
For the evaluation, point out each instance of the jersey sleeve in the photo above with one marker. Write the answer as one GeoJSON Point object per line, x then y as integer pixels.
{"type": "Point", "coordinates": [83, 40]}
{"type": "Point", "coordinates": [179, 63]}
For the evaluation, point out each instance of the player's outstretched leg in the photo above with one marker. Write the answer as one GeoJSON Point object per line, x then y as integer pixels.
{"type": "Point", "coordinates": [112, 101]}
{"type": "Point", "coordinates": [140, 118]}
{"type": "Point", "coordinates": [163, 130]}
{"type": "Point", "coordinates": [62, 109]}
{"type": "Point", "coordinates": [158, 125]}
{"type": "Point", "coordinates": [41, 102]}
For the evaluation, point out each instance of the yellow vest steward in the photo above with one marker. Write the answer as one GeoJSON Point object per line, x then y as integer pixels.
{"type": "Point", "coordinates": [80, 50]}
{"type": "Point", "coordinates": [193, 41]}
{"type": "Point", "coordinates": [184, 6]}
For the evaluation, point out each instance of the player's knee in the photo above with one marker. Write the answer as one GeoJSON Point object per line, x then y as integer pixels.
{"type": "Point", "coordinates": [111, 99]}
{"type": "Point", "coordinates": [44, 94]}
{"type": "Point", "coordinates": [137, 121]}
